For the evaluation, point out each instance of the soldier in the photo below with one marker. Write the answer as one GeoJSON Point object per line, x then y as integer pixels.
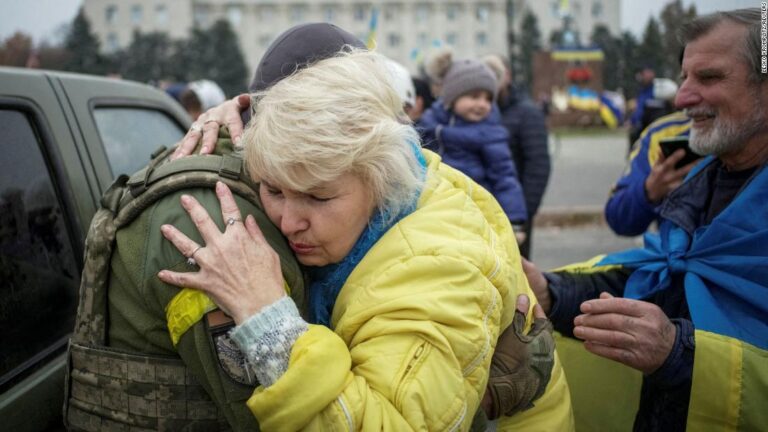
{"type": "Point", "coordinates": [146, 354]}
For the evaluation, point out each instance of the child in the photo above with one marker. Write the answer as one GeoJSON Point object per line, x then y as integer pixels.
{"type": "Point", "coordinates": [464, 127]}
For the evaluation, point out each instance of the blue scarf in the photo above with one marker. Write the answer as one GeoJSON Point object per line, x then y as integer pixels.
{"type": "Point", "coordinates": [725, 265]}
{"type": "Point", "coordinates": [326, 282]}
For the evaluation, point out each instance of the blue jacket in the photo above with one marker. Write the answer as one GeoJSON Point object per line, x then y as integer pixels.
{"type": "Point", "coordinates": [479, 150]}
{"type": "Point", "coordinates": [628, 211]}
{"type": "Point", "coordinates": [637, 116]}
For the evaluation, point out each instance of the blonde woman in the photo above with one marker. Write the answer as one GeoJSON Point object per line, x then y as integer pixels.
{"type": "Point", "coordinates": [413, 267]}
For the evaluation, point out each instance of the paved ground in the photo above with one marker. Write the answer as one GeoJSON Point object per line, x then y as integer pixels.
{"type": "Point", "coordinates": [584, 168]}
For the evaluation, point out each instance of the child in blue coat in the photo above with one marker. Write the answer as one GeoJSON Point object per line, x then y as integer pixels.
{"type": "Point", "coordinates": [464, 127]}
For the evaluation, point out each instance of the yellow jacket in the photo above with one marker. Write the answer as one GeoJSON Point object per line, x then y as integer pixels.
{"type": "Point", "coordinates": [415, 326]}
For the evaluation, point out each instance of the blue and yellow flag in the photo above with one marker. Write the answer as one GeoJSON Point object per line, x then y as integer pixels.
{"type": "Point", "coordinates": [372, 26]}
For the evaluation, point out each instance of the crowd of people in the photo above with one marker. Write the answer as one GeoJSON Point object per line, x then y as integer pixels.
{"type": "Point", "coordinates": [376, 280]}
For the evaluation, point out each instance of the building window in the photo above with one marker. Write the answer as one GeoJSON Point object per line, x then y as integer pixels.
{"type": "Point", "coordinates": [452, 39]}
{"type": "Point", "coordinates": [390, 12]}
{"type": "Point", "coordinates": [200, 14]}
{"type": "Point", "coordinates": [297, 13]}
{"type": "Point", "coordinates": [576, 7]}
{"type": "Point", "coordinates": [452, 12]}
{"type": "Point", "coordinates": [112, 43]}
{"type": "Point", "coordinates": [234, 15]}
{"type": "Point", "coordinates": [359, 12]}
{"type": "Point", "coordinates": [421, 39]}
{"type": "Point", "coordinates": [597, 9]}
{"type": "Point", "coordinates": [393, 39]}
{"type": "Point", "coordinates": [329, 13]}
{"type": "Point", "coordinates": [481, 39]}
{"type": "Point", "coordinates": [422, 13]}
{"type": "Point", "coordinates": [482, 12]}
{"type": "Point", "coordinates": [161, 15]}
{"type": "Point", "coordinates": [136, 14]}
{"type": "Point", "coordinates": [265, 40]}
{"type": "Point", "coordinates": [111, 14]}
{"type": "Point", "coordinates": [555, 9]}
{"type": "Point", "coordinates": [266, 13]}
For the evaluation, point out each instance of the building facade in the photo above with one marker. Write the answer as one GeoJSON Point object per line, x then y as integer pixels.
{"type": "Point", "coordinates": [584, 15]}
{"type": "Point", "coordinates": [406, 31]}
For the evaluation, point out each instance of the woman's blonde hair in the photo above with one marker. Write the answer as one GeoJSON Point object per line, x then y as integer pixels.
{"type": "Point", "coordinates": [338, 116]}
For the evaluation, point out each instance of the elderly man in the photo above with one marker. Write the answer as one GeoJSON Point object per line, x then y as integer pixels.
{"type": "Point", "coordinates": [690, 309]}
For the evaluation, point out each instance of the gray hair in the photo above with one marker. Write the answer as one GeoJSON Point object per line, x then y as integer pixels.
{"type": "Point", "coordinates": [750, 48]}
{"type": "Point", "coordinates": [341, 115]}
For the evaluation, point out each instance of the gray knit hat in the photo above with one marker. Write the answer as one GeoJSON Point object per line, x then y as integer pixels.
{"type": "Point", "coordinates": [465, 76]}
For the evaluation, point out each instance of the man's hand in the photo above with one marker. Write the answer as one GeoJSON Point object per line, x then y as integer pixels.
{"type": "Point", "coordinates": [538, 284]}
{"type": "Point", "coordinates": [664, 178]}
{"type": "Point", "coordinates": [207, 126]}
{"type": "Point", "coordinates": [633, 332]}
{"type": "Point", "coordinates": [522, 364]}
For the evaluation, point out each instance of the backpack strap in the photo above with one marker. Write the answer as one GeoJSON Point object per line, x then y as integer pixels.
{"type": "Point", "coordinates": [90, 322]}
{"type": "Point", "coordinates": [125, 200]}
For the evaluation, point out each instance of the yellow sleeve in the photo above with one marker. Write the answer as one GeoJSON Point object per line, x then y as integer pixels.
{"type": "Point", "coordinates": [410, 353]}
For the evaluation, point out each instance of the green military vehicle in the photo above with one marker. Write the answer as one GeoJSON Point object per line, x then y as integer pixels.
{"type": "Point", "coordinates": [64, 138]}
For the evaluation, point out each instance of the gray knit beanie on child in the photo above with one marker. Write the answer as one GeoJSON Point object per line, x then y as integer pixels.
{"type": "Point", "coordinates": [465, 76]}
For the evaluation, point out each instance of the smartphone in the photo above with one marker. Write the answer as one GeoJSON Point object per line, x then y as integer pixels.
{"type": "Point", "coordinates": [672, 144]}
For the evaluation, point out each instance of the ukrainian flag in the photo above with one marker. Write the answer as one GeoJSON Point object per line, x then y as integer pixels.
{"type": "Point", "coordinates": [610, 112]}
{"type": "Point", "coordinates": [372, 26]}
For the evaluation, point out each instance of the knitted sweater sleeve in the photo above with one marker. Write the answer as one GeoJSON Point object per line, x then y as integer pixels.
{"type": "Point", "coordinates": [266, 339]}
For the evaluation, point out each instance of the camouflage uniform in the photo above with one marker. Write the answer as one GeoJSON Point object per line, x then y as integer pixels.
{"type": "Point", "coordinates": [151, 325]}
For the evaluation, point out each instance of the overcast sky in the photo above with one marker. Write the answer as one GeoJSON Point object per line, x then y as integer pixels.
{"type": "Point", "coordinates": [42, 18]}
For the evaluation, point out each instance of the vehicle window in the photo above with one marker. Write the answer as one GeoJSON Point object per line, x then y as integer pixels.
{"type": "Point", "coordinates": [130, 135]}
{"type": "Point", "coordinates": [38, 273]}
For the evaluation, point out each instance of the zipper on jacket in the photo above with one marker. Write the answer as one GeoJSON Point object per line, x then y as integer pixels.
{"type": "Point", "coordinates": [415, 357]}
{"type": "Point", "coordinates": [411, 365]}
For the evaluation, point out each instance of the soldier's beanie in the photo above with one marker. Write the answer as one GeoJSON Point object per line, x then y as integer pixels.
{"type": "Point", "coordinates": [465, 76]}
{"type": "Point", "coordinates": [298, 47]}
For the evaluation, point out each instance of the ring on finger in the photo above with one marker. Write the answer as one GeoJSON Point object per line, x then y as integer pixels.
{"type": "Point", "coordinates": [231, 221]}
{"type": "Point", "coordinates": [191, 258]}
{"type": "Point", "coordinates": [196, 127]}
{"type": "Point", "coordinates": [210, 121]}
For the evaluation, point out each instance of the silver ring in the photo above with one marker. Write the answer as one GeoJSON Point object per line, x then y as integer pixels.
{"type": "Point", "coordinates": [196, 127]}
{"type": "Point", "coordinates": [191, 258]}
{"type": "Point", "coordinates": [231, 221]}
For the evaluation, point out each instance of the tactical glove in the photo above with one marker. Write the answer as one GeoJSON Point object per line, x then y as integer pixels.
{"type": "Point", "coordinates": [521, 366]}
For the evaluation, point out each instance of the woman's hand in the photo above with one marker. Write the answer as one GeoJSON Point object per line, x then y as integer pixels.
{"type": "Point", "coordinates": [238, 268]}
{"type": "Point", "coordinates": [207, 126]}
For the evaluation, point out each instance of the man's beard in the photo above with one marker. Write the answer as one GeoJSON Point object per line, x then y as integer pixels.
{"type": "Point", "coordinates": [725, 136]}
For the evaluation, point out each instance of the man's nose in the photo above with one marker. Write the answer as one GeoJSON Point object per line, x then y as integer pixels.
{"type": "Point", "coordinates": [687, 95]}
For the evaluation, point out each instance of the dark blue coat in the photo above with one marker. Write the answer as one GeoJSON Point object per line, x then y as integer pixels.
{"type": "Point", "coordinates": [479, 150]}
{"type": "Point", "coordinates": [528, 137]}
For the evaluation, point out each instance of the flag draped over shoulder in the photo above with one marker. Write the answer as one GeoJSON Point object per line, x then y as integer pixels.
{"type": "Point", "coordinates": [725, 265]}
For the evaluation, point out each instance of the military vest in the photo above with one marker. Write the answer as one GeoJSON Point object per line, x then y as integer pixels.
{"type": "Point", "coordinates": [116, 389]}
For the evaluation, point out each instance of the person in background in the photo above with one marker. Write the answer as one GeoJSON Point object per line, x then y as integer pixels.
{"type": "Point", "coordinates": [528, 136]}
{"type": "Point", "coordinates": [200, 96]}
{"type": "Point", "coordinates": [644, 77]}
{"type": "Point", "coordinates": [424, 99]}
{"type": "Point", "coordinates": [635, 199]}
{"type": "Point", "coordinates": [690, 309]}
{"type": "Point", "coordinates": [402, 83]}
{"type": "Point", "coordinates": [463, 127]}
